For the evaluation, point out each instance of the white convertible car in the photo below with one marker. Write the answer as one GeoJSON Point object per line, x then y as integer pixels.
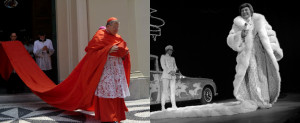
{"type": "Point", "coordinates": [187, 88]}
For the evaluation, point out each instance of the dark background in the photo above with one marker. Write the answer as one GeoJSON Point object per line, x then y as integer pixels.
{"type": "Point", "coordinates": [198, 31]}
{"type": "Point", "coordinates": [27, 19]}
{"type": "Point", "coordinates": [16, 19]}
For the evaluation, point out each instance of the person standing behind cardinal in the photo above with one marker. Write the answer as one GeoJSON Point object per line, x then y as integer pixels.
{"type": "Point", "coordinates": [43, 49]}
{"type": "Point", "coordinates": [14, 84]}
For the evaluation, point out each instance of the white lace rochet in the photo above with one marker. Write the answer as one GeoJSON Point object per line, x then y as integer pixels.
{"type": "Point", "coordinates": [113, 83]}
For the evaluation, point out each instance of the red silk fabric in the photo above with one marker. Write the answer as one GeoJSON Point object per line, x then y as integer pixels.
{"type": "Point", "coordinates": [77, 90]}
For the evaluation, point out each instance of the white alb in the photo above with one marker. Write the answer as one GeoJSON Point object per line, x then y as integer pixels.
{"type": "Point", "coordinates": [43, 58]}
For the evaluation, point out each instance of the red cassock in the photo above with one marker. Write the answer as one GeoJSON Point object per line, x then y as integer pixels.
{"type": "Point", "coordinates": [77, 91]}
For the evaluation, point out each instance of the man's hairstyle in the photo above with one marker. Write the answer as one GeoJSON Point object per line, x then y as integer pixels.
{"type": "Point", "coordinates": [244, 5]}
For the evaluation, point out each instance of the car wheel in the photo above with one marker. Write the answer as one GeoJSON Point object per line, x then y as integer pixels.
{"type": "Point", "coordinates": [207, 95]}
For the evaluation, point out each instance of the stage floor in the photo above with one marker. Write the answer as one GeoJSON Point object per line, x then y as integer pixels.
{"type": "Point", "coordinates": [285, 110]}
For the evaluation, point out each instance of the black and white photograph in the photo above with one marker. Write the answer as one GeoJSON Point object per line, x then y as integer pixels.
{"type": "Point", "coordinates": [224, 61]}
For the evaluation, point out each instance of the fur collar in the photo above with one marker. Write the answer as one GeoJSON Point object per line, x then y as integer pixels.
{"type": "Point", "coordinates": [258, 20]}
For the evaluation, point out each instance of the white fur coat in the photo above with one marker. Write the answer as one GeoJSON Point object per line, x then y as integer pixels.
{"type": "Point", "coordinates": [269, 42]}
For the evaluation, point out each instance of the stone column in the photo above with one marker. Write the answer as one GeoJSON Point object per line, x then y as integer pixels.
{"type": "Point", "coordinates": [72, 34]}
{"type": "Point", "coordinates": [82, 27]}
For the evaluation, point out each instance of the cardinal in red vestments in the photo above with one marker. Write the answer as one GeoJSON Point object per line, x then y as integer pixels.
{"type": "Point", "coordinates": [113, 84]}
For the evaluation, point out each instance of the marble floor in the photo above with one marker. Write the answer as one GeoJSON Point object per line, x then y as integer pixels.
{"type": "Point", "coordinates": [37, 112]}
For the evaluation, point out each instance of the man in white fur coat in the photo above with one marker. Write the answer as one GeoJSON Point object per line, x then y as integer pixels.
{"type": "Point", "coordinates": [257, 79]}
{"type": "Point", "coordinates": [257, 71]}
